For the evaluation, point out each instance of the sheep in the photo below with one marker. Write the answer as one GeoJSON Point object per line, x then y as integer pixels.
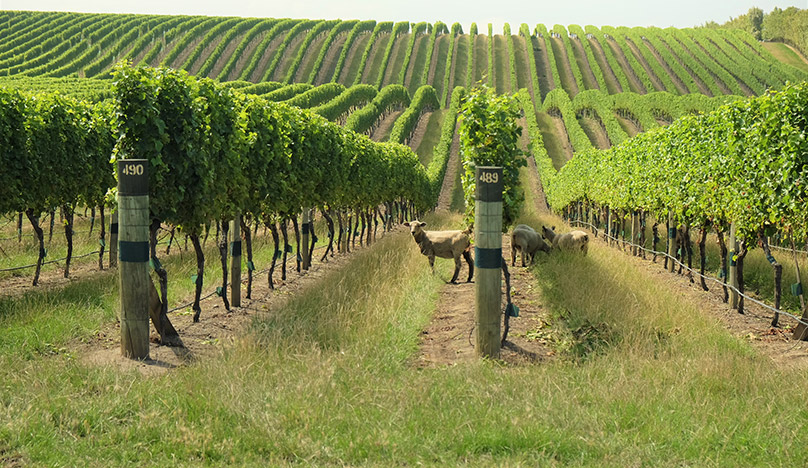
{"type": "Point", "coordinates": [443, 244]}
{"type": "Point", "coordinates": [526, 239]}
{"type": "Point", "coordinates": [573, 241]}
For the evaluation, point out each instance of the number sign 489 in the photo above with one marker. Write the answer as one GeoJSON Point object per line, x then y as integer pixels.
{"type": "Point", "coordinates": [489, 177]}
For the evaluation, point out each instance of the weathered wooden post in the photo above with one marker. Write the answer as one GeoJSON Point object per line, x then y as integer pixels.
{"type": "Point", "coordinates": [488, 260]}
{"type": "Point", "coordinates": [304, 252]}
{"type": "Point", "coordinates": [673, 246]}
{"type": "Point", "coordinates": [133, 249]}
{"type": "Point", "coordinates": [235, 261]}
{"type": "Point", "coordinates": [733, 267]}
{"type": "Point", "coordinates": [113, 240]}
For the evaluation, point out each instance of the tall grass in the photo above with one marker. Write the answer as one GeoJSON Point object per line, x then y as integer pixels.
{"type": "Point", "coordinates": [329, 379]}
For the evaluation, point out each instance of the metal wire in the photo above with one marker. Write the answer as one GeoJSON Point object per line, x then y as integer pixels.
{"type": "Point", "coordinates": [49, 262]}
{"type": "Point", "coordinates": [716, 280]}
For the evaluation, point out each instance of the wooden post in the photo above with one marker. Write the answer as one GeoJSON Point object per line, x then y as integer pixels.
{"type": "Point", "coordinates": [733, 268]}
{"type": "Point", "coordinates": [304, 252]}
{"type": "Point", "coordinates": [608, 225]}
{"type": "Point", "coordinates": [488, 260]}
{"type": "Point", "coordinates": [673, 246]}
{"type": "Point", "coordinates": [113, 240]}
{"type": "Point", "coordinates": [235, 261]}
{"type": "Point", "coordinates": [133, 248]}
{"type": "Point", "coordinates": [801, 331]}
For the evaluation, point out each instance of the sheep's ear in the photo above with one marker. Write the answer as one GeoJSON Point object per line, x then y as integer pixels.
{"type": "Point", "coordinates": [407, 224]}
{"type": "Point", "coordinates": [423, 224]}
{"type": "Point", "coordinates": [553, 228]}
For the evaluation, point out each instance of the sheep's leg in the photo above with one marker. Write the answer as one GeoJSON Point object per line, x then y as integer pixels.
{"type": "Point", "coordinates": [513, 255]}
{"type": "Point", "coordinates": [432, 263]}
{"type": "Point", "coordinates": [457, 270]}
{"type": "Point", "coordinates": [467, 256]}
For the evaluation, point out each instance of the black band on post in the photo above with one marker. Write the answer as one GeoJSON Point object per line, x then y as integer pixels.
{"type": "Point", "coordinates": [113, 228]}
{"type": "Point", "coordinates": [134, 252]}
{"type": "Point", "coordinates": [235, 248]}
{"type": "Point", "coordinates": [487, 258]}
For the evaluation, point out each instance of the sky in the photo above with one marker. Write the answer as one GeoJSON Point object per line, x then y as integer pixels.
{"type": "Point", "coordinates": [679, 13]}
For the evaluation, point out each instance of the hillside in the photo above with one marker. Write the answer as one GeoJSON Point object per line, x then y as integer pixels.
{"type": "Point", "coordinates": [601, 70]}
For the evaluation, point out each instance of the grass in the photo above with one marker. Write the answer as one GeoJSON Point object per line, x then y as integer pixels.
{"type": "Point", "coordinates": [426, 149]}
{"type": "Point", "coordinates": [551, 139]}
{"type": "Point", "coordinates": [330, 380]}
{"type": "Point", "coordinates": [502, 65]}
{"type": "Point", "coordinates": [461, 65]}
{"type": "Point", "coordinates": [786, 55]}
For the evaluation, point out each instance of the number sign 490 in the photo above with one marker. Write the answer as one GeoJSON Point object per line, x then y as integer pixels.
{"type": "Point", "coordinates": [133, 169]}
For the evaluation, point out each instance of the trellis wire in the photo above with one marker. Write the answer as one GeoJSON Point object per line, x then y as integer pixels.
{"type": "Point", "coordinates": [716, 280]}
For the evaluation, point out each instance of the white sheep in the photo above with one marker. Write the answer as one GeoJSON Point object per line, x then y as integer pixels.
{"type": "Point", "coordinates": [443, 244]}
{"type": "Point", "coordinates": [527, 240]}
{"type": "Point", "coordinates": [573, 241]}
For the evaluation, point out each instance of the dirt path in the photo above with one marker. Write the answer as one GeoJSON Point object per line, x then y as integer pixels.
{"type": "Point", "coordinates": [225, 57]}
{"type": "Point", "coordinates": [452, 166]}
{"type": "Point", "coordinates": [539, 54]}
{"type": "Point", "coordinates": [564, 67]}
{"type": "Point", "coordinates": [288, 55]}
{"type": "Point", "coordinates": [311, 54]}
{"type": "Point", "coordinates": [562, 136]}
{"type": "Point", "coordinates": [379, 46]}
{"type": "Point", "coordinates": [633, 80]}
{"type": "Point", "coordinates": [382, 131]}
{"type": "Point", "coordinates": [590, 82]}
{"type": "Point", "coordinates": [433, 61]}
{"type": "Point", "coordinates": [534, 180]}
{"type": "Point", "coordinates": [703, 89]}
{"type": "Point", "coordinates": [629, 126]}
{"type": "Point", "coordinates": [421, 41]}
{"type": "Point", "coordinates": [245, 55]}
{"type": "Point", "coordinates": [595, 131]}
{"type": "Point", "coordinates": [330, 60]}
{"type": "Point", "coordinates": [612, 83]}
{"type": "Point", "coordinates": [449, 337]}
{"type": "Point", "coordinates": [452, 71]}
{"type": "Point", "coordinates": [266, 55]}
{"type": "Point", "coordinates": [206, 52]}
{"type": "Point", "coordinates": [680, 85]}
{"type": "Point", "coordinates": [420, 130]}
{"type": "Point", "coordinates": [480, 57]}
{"type": "Point", "coordinates": [657, 82]}
{"type": "Point", "coordinates": [396, 59]}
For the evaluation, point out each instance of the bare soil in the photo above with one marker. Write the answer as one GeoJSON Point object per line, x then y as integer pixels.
{"type": "Point", "coordinates": [720, 83]}
{"type": "Point", "coordinates": [379, 46]}
{"type": "Point", "coordinates": [634, 81]}
{"type": "Point", "coordinates": [612, 83]}
{"type": "Point", "coordinates": [287, 55]}
{"type": "Point", "coordinates": [396, 59]}
{"type": "Point", "coordinates": [680, 85]}
{"type": "Point", "coordinates": [386, 125]}
{"type": "Point", "coordinates": [206, 52]}
{"type": "Point", "coordinates": [267, 55]}
{"type": "Point", "coordinates": [583, 64]}
{"type": "Point", "coordinates": [331, 58]}
{"type": "Point", "coordinates": [596, 133]}
{"type": "Point", "coordinates": [452, 167]}
{"type": "Point", "coordinates": [420, 130]}
{"type": "Point", "coordinates": [246, 54]}
{"type": "Point", "coordinates": [703, 89]}
{"type": "Point", "coordinates": [657, 82]}
{"type": "Point", "coordinates": [564, 67]}
{"type": "Point", "coordinates": [539, 54]}
{"type": "Point", "coordinates": [306, 64]}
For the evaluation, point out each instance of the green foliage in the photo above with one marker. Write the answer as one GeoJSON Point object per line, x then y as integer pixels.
{"type": "Point", "coordinates": [335, 31]}
{"type": "Point", "coordinates": [557, 102]}
{"type": "Point", "coordinates": [287, 92]}
{"type": "Point", "coordinates": [425, 100]}
{"type": "Point", "coordinates": [378, 29]}
{"type": "Point", "coordinates": [489, 136]}
{"type": "Point", "coordinates": [316, 96]}
{"type": "Point", "coordinates": [255, 59]}
{"type": "Point", "coordinates": [590, 56]}
{"type": "Point", "coordinates": [352, 98]}
{"type": "Point", "coordinates": [391, 97]}
{"type": "Point", "coordinates": [318, 29]}
{"type": "Point", "coordinates": [610, 58]}
{"type": "Point", "coordinates": [416, 30]}
{"type": "Point", "coordinates": [576, 70]}
{"type": "Point", "coordinates": [399, 29]}
{"type": "Point", "coordinates": [238, 29]}
{"type": "Point", "coordinates": [298, 29]}
{"type": "Point", "coordinates": [358, 28]}
{"type": "Point", "coordinates": [743, 163]}
{"type": "Point", "coordinates": [436, 171]}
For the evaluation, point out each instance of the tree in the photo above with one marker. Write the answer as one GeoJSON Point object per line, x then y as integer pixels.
{"type": "Point", "coordinates": [489, 136]}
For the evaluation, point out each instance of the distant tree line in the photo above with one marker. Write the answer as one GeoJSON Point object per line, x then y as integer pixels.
{"type": "Point", "coordinates": [789, 25]}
